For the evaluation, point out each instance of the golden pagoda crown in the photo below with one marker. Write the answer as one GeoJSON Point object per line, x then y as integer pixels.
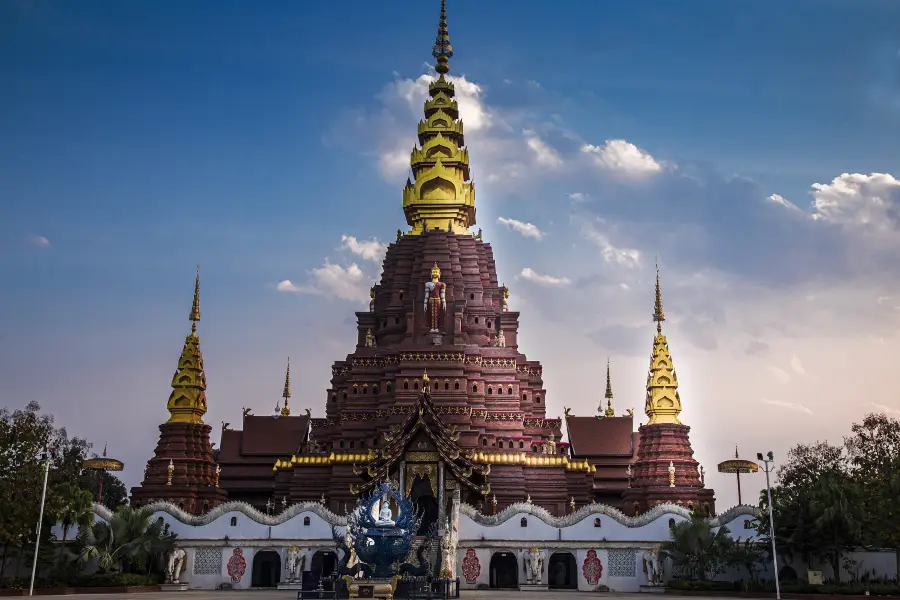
{"type": "Point", "coordinates": [663, 403]}
{"type": "Point", "coordinates": [440, 195]}
{"type": "Point", "coordinates": [187, 402]}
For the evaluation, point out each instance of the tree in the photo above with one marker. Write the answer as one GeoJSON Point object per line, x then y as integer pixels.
{"type": "Point", "coordinates": [27, 436]}
{"type": "Point", "coordinates": [747, 554]}
{"type": "Point", "coordinates": [874, 451]}
{"type": "Point", "coordinates": [697, 552]}
{"type": "Point", "coordinates": [127, 542]}
{"type": "Point", "coordinates": [836, 512]}
{"type": "Point", "coordinates": [114, 492]}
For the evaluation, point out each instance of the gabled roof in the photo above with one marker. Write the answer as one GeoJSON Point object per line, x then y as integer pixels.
{"type": "Point", "coordinates": [425, 420]}
{"type": "Point", "coordinates": [268, 436]}
{"type": "Point", "coordinates": [606, 436]}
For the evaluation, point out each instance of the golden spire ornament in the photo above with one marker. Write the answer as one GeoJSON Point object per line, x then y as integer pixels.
{"type": "Point", "coordinates": [658, 314]}
{"type": "Point", "coordinates": [195, 307]}
{"type": "Point", "coordinates": [609, 394]}
{"type": "Point", "coordinates": [442, 50]}
{"type": "Point", "coordinates": [286, 394]}
{"type": "Point", "coordinates": [187, 402]}
{"type": "Point", "coordinates": [663, 403]}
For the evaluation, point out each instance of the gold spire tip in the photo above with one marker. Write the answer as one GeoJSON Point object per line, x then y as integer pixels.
{"type": "Point", "coordinates": [609, 393]}
{"type": "Point", "coordinates": [658, 314]}
{"type": "Point", "coordinates": [195, 307]}
{"type": "Point", "coordinates": [287, 381]}
{"type": "Point", "coordinates": [442, 50]}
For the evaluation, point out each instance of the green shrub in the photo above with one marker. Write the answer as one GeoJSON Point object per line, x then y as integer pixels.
{"type": "Point", "coordinates": [116, 580]}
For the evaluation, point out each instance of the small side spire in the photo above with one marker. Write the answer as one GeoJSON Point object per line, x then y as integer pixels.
{"type": "Point", "coordinates": [442, 51]}
{"type": "Point", "coordinates": [187, 402]}
{"type": "Point", "coordinates": [609, 393]}
{"type": "Point", "coordinates": [658, 314]}
{"type": "Point", "coordinates": [195, 307]}
{"type": "Point", "coordinates": [104, 449]}
{"type": "Point", "coordinates": [286, 394]}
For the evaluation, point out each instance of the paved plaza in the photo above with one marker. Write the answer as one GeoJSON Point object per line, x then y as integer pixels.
{"type": "Point", "coordinates": [288, 595]}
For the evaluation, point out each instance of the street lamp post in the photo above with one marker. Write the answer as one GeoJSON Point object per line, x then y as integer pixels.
{"type": "Point", "coordinates": [46, 458]}
{"type": "Point", "coordinates": [768, 460]}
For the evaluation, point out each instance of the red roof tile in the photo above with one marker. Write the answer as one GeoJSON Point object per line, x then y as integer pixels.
{"type": "Point", "coordinates": [590, 436]}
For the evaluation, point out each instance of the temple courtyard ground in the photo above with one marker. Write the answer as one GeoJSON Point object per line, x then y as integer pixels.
{"type": "Point", "coordinates": [288, 595]}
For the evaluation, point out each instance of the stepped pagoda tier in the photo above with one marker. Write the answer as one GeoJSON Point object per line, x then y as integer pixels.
{"type": "Point", "coordinates": [665, 470]}
{"type": "Point", "coordinates": [183, 470]}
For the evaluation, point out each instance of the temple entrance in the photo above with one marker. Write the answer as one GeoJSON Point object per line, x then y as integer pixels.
{"type": "Point", "coordinates": [323, 563]}
{"type": "Point", "coordinates": [504, 570]}
{"type": "Point", "coordinates": [423, 498]}
{"type": "Point", "coordinates": [266, 569]}
{"type": "Point", "coordinates": [562, 571]}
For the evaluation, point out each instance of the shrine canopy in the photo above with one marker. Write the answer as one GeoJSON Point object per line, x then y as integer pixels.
{"type": "Point", "coordinates": [424, 424]}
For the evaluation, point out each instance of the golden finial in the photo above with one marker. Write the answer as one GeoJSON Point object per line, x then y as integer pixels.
{"type": "Point", "coordinates": [442, 49]}
{"type": "Point", "coordinates": [609, 394]}
{"type": "Point", "coordinates": [104, 449]}
{"type": "Point", "coordinates": [735, 451]}
{"type": "Point", "coordinates": [195, 307]}
{"type": "Point", "coordinates": [425, 378]}
{"type": "Point", "coordinates": [658, 314]}
{"type": "Point", "coordinates": [286, 411]}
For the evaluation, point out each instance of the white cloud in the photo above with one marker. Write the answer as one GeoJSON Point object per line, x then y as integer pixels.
{"type": "Point", "coordinates": [623, 157]}
{"type": "Point", "coordinates": [578, 196]}
{"type": "Point", "coordinates": [854, 199]}
{"type": "Point", "coordinates": [332, 280]}
{"type": "Point", "coordinates": [886, 409]}
{"type": "Point", "coordinates": [787, 405]}
{"type": "Point", "coordinates": [414, 92]}
{"type": "Point", "coordinates": [797, 366]}
{"type": "Point", "coordinates": [628, 258]}
{"type": "Point", "coordinates": [39, 240]}
{"type": "Point", "coordinates": [394, 163]}
{"type": "Point", "coordinates": [529, 274]}
{"type": "Point", "coordinates": [779, 199]}
{"type": "Point", "coordinates": [780, 374]}
{"type": "Point", "coordinates": [544, 154]}
{"type": "Point", "coordinates": [522, 228]}
{"type": "Point", "coordinates": [371, 250]}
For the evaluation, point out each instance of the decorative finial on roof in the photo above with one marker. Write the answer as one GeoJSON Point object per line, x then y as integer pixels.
{"type": "Point", "coordinates": [609, 394]}
{"type": "Point", "coordinates": [658, 314]}
{"type": "Point", "coordinates": [286, 411]}
{"type": "Point", "coordinates": [195, 307]}
{"type": "Point", "coordinates": [104, 448]}
{"type": "Point", "coordinates": [736, 455]}
{"type": "Point", "coordinates": [442, 50]}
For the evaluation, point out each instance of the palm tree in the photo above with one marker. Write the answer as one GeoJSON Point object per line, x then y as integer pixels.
{"type": "Point", "coordinates": [77, 508]}
{"type": "Point", "coordinates": [127, 540]}
{"type": "Point", "coordinates": [697, 551]}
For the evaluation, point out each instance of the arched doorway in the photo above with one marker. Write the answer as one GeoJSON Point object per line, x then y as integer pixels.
{"type": "Point", "coordinates": [323, 563]}
{"type": "Point", "coordinates": [423, 498]}
{"type": "Point", "coordinates": [562, 571]}
{"type": "Point", "coordinates": [504, 570]}
{"type": "Point", "coordinates": [266, 569]}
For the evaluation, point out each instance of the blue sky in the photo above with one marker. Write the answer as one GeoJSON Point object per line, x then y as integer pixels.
{"type": "Point", "coordinates": [138, 139]}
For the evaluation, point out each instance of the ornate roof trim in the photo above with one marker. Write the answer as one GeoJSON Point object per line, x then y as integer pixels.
{"type": "Point", "coordinates": [591, 510]}
{"type": "Point", "coordinates": [242, 507]}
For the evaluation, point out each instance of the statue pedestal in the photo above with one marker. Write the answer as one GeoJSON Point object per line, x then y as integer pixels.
{"type": "Point", "coordinates": [372, 588]}
{"type": "Point", "coordinates": [290, 585]}
{"type": "Point", "coordinates": [653, 589]}
{"type": "Point", "coordinates": [533, 587]}
{"type": "Point", "coordinates": [436, 338]}
{"type": "Point", "coordinates": [173, 587]}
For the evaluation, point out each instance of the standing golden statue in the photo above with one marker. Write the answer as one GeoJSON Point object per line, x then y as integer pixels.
{"type": "Point", "coordinates": [435, 300]}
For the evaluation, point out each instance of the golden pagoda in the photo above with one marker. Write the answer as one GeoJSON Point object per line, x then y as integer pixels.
{"type": "Point", "coordinates": [609, 394]}
{"type": "Point", "coordinates": [286, 394]}
{"type": "Point", "coordinates": [187, 402]}
{"type": "Point", "coordinates": [440, 196]}
{"type": "Point", "coordinates": [663, 403]}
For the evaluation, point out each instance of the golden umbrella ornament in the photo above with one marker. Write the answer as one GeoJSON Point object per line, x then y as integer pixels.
{"type": "Point", "coordinates": [102, 464]}
{"type": "Point", "coordinates": [738, 465]}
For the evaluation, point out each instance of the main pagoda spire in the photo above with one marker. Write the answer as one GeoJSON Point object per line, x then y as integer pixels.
{"type": "Point", "coordinates": [187, 402]}
{"type": "Point", "coordinates": [663, 403]}
{"type": "Point", "coordinates": [441, 195]}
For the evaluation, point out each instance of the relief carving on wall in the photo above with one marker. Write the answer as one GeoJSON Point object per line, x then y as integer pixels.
{"type": "Point", "coordinates": [592, 568]}
{"type": "Point", "coordinates": [471, 566]}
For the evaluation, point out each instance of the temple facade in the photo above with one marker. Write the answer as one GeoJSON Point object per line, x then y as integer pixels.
{"type": "Point", "coordinates": [437, 395]}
